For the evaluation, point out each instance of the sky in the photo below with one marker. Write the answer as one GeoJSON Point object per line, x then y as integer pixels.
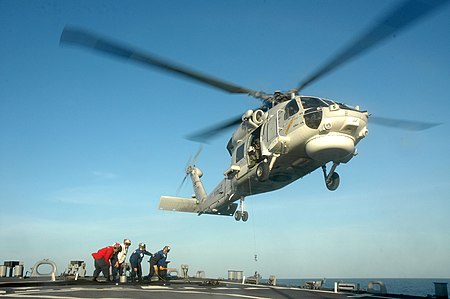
{"type": "Point", "coordinates": [89, 143]}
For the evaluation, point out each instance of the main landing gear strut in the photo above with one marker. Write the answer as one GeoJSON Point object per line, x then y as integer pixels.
{"type": "Point", "coordinates": [241, 214]}
{"type": "Point", "coordinates": [331, 179]}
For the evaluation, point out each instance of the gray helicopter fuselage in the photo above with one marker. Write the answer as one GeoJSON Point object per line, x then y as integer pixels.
{"type": "Point", "coordinates": [295, 138]}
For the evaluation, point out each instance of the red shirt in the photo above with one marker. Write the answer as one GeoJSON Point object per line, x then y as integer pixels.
{"type": "Point", "coordinates": [104, 253]}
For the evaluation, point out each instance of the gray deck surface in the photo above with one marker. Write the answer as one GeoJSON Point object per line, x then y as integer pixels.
{"type": "Point", "coordinates": [172, 290]}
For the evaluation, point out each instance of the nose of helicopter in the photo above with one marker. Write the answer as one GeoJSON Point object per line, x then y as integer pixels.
{"type": "Point", "coordinates": [331, 147]}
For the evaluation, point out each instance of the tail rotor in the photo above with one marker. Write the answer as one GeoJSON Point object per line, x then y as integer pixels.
{"type": "Point", "coordinates": [189, 166]}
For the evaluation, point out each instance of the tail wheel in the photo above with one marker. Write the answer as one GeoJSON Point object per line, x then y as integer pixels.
{"type": "Point", "coordinates": [262, 171]}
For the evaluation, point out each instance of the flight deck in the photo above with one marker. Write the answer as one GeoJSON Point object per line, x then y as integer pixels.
{"type": "Point", "coordinates": [180, 288]}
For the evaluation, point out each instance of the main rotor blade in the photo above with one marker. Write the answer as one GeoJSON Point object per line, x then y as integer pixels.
{"type": "Point", "coordinates": [398, 19]}
{"type": "Point", "coordinates": [204, 135]}
{"type": "Point", "coordinates": [89, 40]}
{"type": "Point", "coordinates": [409, 125]}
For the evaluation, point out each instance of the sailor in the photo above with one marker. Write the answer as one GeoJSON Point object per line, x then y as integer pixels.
{"type": "Point", "coordinates": [158, 263]}
{"type": "Point", "coordinates": [135, 261]}
{"type": "Point", "coordinates": [118, 261]}
{"type": "Point", "coordinates": [102, 260]}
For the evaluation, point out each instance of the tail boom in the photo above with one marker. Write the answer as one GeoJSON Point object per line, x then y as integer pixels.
{"type": "Point", "coordinates": [191, 205]}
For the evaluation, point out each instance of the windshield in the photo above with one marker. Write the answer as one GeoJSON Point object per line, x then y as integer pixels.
{"type": "Point", "coordinates": [311, 102]}
{"type": "Point", "coordinates": [314, 102]}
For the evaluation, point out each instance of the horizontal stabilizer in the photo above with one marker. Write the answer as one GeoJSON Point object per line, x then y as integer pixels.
{"type": "Point", "coordinates": [178, 204]}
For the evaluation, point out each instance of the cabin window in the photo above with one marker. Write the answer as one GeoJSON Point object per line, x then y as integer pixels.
{"type": "Point", "coordinates": [240, 153]}
{"type": "Point", "coordinates": [290, 109]}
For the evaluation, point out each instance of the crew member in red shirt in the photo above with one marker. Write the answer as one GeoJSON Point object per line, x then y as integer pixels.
{"type": "Point", "coordinates": [102, 260]}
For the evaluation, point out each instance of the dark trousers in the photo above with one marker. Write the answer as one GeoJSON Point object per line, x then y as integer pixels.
{"type": "Point", "coordinates": [113, 267]}
{"type": "Point", "coordinates": [135, 273]}
{"type": "Point", "coordinates": [152, 271]}
{"type": "Point", "coordinates": [101, 266]}
{"type": "Point", "coordinates": [120, 269]}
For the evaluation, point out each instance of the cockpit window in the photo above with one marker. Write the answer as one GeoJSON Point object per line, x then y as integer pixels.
{"type": "Point", "coordinates": [342, 106]}
{"type": "Point", "coordinates": [313, 111]}
{"type": "Point", "coordinates": [329, 102]}
{"type": "Point", "coordinates": [290, 109]}
{"type": "Point", "coordinates": [310, 102]}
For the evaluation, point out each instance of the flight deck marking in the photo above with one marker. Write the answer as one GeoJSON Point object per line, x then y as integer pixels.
{"type": "Point", "coordinates": [58, 293]}
{"type": "Point", "coordinates": [155, 288]}
{"type": "Point", "coordinates": [219, 294]}
{"type": "Point", "coordinates": [22, 295]}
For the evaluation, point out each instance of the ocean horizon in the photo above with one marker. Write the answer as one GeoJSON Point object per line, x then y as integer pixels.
{"type": "Point", "coordinates": [406, 286]}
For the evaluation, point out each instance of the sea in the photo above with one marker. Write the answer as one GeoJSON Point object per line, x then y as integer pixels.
{"type": "Point", "coordinates": [406, 286]}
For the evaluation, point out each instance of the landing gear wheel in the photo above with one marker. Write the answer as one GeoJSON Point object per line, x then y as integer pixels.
{"type": "Point", "coordinates": [262, 171]}
{"type": "Point", "coordinates": [241, 214]}
{"type": "Point", "coordinates": [245, 216]}
{"type": "Point", "coordinates": [238, 215]}
{"type": "Point", "coordinates": [333, 182]}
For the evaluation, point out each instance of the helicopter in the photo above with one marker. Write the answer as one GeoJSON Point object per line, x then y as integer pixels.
{"type": "Point", "coordinates": [288, 136]}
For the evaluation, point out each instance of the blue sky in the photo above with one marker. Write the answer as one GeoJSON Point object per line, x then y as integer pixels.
{"type": "Point", "coordinates": [89, 143]}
